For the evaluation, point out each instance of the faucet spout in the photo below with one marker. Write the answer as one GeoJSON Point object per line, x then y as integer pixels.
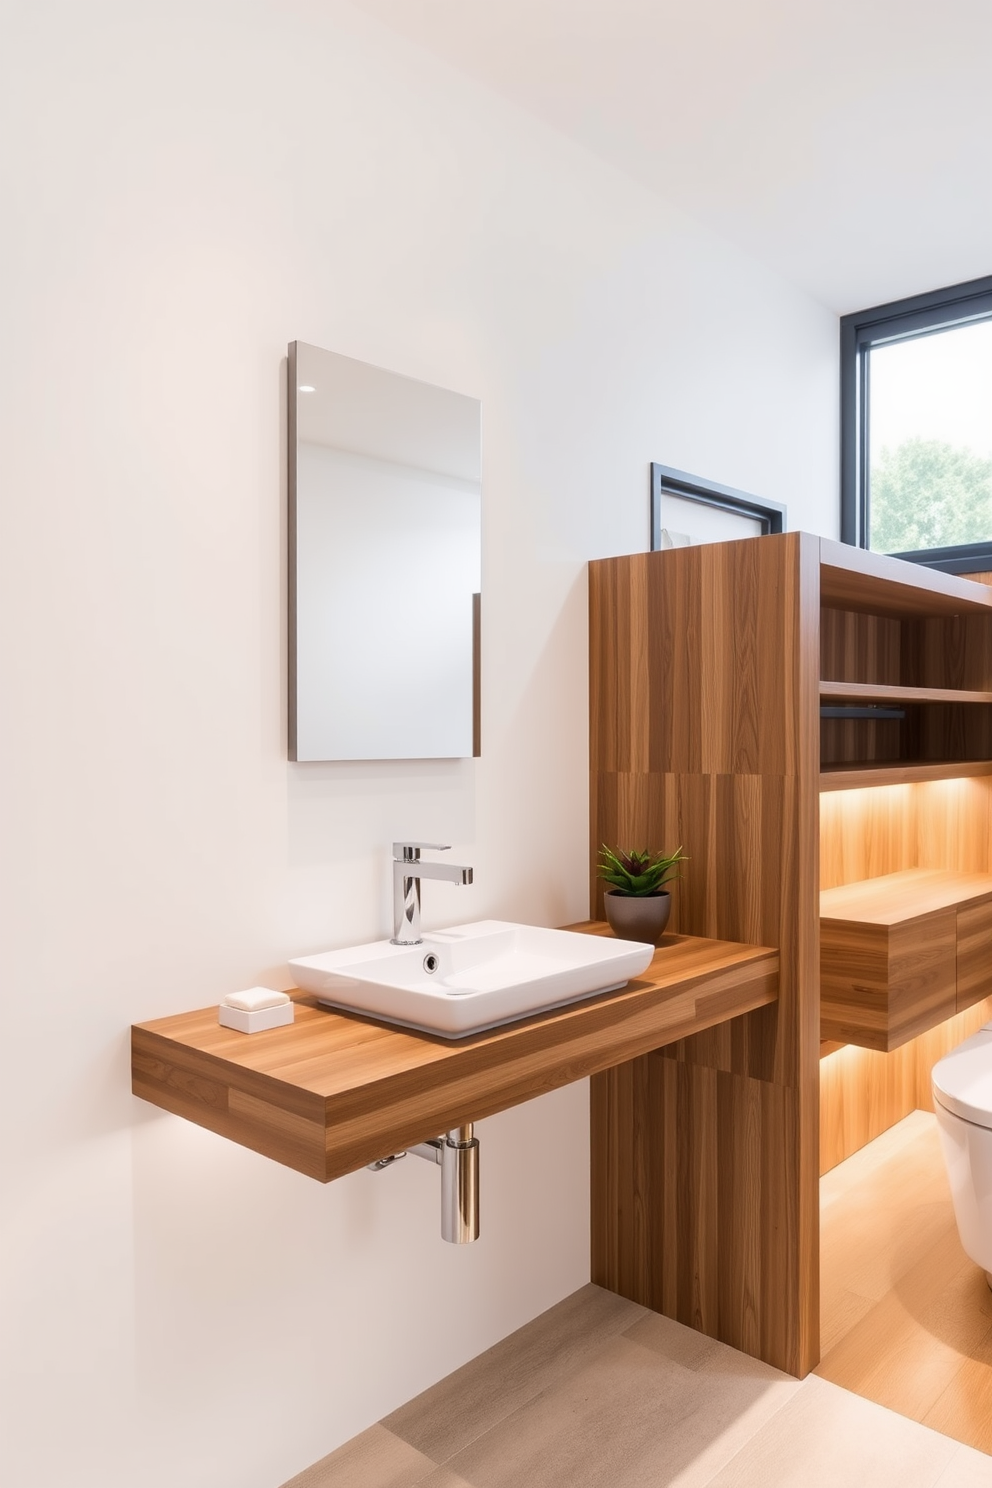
{"type": "Point", "coordinates": [408, 870]}
{"type": "Point", "coordinates": [448, 872]}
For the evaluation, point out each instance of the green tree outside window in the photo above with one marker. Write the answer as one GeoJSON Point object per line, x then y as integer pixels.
{"type": "Point", "coordinates": [928, 494]}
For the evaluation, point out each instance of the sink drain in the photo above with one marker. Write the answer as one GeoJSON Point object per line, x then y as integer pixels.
{"type": "Point", "coordinates": [430, 962]}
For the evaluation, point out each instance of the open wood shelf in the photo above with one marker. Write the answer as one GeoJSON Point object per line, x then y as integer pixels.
{"type": "Point", "coordinates": [877, 692]}
{"type": "Point", "coordinates": [898, 772]}
{"type": "Point", "coordinates": [906, 660]}
{"type": "Point", "coordinates": [853, 579]}
{"type": "Point", "coordinates": [332, 1091]}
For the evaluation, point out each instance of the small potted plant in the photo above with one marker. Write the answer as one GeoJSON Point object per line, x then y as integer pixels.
{"type": "Point", "coordinates": [637, 903]}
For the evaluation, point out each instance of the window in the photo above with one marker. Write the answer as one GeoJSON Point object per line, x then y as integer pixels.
{"type": "Point", "coordinates": [916, 428]}
{"type": "Point", "coordinates": [709, 512]}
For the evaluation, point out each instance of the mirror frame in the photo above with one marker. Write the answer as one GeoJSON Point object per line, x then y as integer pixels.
{"type": "Point", "coordinates": [292, 434]}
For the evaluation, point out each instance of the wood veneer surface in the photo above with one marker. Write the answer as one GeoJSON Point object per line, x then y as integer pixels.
{"type": "Point", "coordinates": [704, 676]}
{"type": "Point", "coordinates": [333, 1091]}
{"type": "Point", "coordinates": [854, 579]}
{"type": "Point", "coordinates": [974, 962]}
{"type": "Point", "coordinates": [901, 953]}
{"type": "Point", "coordinates": [859, 648]}
{"type": "Point", "coordinates": [925, 824]}
{"type": "Point", "coordinates": [935, 662]}
{"type": "Point", "coordinates": [872, 692]}
{"type": "Point", "coordinates": [858, 776]}
{"type": "Point", "coordinates": [894, 897]}
{"type": "Point", "coordinates": [881, 985]}
{"type": "Point", "coordinates": [922, 816]}
{"type": "Point", "coordinates": [863, 1092]}
{"type": "Point", "coordinates": [705, 680]}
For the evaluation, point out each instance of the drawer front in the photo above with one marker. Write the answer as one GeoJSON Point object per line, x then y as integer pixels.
{"type": "Point", "coordinates": [881, 985]}
{"type": "Point", "coordinates": [854, 983]}
{"type": "Point", "coordinates": [974, 953]}
{"type": "Point", "coordinates": [922, 978]}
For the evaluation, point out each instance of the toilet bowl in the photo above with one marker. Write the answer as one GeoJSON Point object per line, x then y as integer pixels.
{"type": "Point", "coordinates": [962, 1101]}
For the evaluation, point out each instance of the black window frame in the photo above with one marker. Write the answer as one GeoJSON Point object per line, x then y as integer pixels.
{"type": "Point", "coordinates": [938, 310]}
{"type": "Point", "coordinates": [770, 514]}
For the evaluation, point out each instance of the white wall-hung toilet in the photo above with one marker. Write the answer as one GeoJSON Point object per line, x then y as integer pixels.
{"type": "Point", "coordinates": [962, 1101]}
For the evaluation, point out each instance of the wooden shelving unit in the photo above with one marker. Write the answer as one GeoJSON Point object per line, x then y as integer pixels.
{"type": "Point", "coordinates": [917, 645]}
{"type": "Point", "coordinates": [908, 657]}
{"type": "Point", "coordinates": [708, 670]}
{"type": "Point", "coordinates": [332, 1092]}
{"type": "Point", "coordinates": [904, 993]}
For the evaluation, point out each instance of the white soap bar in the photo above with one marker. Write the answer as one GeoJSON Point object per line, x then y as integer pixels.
{"type": "Point", "coordinates": [255, 998]}
{"type": "Point", "coordinates": [258, 1021]}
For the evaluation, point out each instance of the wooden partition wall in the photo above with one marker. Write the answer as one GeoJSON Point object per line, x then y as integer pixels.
{"type": "Point", "coordinates": [704, 669]}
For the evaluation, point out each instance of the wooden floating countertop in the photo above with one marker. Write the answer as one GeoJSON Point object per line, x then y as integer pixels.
{"type": "Point", "coordinates": [334, 1091]}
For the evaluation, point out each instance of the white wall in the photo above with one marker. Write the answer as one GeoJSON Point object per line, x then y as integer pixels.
{"type": "Point", "coordinates": [186, 188]}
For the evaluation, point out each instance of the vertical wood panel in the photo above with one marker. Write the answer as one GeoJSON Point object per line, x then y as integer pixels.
{"type": "Point", "coordinates": [884, 829]}
{"type": "Point", "coordinates": [947, 651]}
{"type": "Point", "coordinates": [864, 1092]}
{"type": "Point", "coordinates": [954, 824]}
{"type": "Point", "coordinates": [711, 1213]}
{"type": "Point", "coordinates": [860, 741]}
{"type": "Point", "coordinates": [867, 833]}
{"type": "Point", "coordinates": [859, 648]}
{"type": "Point", "coordinates": [974, 963]}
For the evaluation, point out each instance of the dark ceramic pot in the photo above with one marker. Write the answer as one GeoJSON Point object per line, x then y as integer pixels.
{"type": "Point", "coordinates": [638, 917]}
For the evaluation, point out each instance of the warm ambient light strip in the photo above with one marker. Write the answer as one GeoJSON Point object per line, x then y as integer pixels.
{"type": "Point", "coordinates": [868, 775]}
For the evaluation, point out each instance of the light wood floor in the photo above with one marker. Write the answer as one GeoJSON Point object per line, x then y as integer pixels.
{"type": "Point", "coordinates": [906, 1318]}
{"type": "Point", "coordinates": [600, 1393]}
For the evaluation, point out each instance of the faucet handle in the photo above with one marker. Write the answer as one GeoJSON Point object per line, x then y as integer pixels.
{"type": "Point", "coordinates": [409, 852]}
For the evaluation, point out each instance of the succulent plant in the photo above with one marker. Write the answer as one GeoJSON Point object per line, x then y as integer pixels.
{"type": "Point", "coordinates": [638, 874]}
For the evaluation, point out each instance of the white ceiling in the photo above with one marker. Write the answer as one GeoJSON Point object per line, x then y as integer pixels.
{"type": "Point", "coordinates": [843, 142]}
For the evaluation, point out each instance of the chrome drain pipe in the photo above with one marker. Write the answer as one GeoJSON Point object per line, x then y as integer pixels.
{"type": "Point", "coordinates": [457, 1155]}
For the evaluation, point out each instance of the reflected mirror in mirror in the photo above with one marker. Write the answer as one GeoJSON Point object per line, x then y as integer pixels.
{"type": "Point", "coordinates": [385, 538]}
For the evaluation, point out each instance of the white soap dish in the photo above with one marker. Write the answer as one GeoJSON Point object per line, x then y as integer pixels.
{"type": "Point", "coordinates": [255, 1010]}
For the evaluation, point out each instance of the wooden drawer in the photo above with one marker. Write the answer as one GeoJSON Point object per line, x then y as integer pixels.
{"type": "Point", "coordinates": [881, 985]}
{"type": "Point", "coordinates": [974, 953]}
{"type": "Point", "coordinates": [901, 953]}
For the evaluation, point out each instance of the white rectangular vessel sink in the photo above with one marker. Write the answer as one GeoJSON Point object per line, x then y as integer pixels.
{"type": "Point", "coordinates": [472, 977]}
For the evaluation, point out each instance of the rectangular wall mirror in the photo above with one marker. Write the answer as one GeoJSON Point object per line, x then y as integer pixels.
{"type": "Point", "coordinates": [385, 547]}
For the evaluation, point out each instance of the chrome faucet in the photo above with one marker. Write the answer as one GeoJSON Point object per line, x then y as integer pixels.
{"type": "Point", "coordinates": [408, 870]}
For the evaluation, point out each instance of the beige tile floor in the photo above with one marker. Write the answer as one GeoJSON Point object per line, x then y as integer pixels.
{"type": "Point", "coordinates": [600, 1393]}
